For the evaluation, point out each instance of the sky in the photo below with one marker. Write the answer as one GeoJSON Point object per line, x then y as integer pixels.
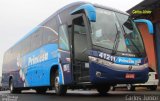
{"type": "Point", "coordinates": [18, 17]}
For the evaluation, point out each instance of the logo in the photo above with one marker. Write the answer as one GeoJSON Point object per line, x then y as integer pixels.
{"type": "Point", "coordinates": [129, 61]}
{"type": "Point", "coordinates": [126, 60]}
{"type": "Point", "coordinates": [37, 59]}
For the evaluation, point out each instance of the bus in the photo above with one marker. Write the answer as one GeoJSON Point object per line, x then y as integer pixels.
{"type": "Point", "coordinates": [82, 45]}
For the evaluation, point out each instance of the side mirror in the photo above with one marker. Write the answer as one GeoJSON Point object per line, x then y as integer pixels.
{"type": "Point", "coordinates": [149, 24]}
{"type": "Point", "coordinates": [89, 10]}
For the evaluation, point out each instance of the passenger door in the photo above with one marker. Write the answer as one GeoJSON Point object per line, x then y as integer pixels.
{"type": "Point", "coordinates": [80, 46]}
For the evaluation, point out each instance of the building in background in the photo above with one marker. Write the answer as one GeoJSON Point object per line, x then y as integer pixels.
{"type": "Point", "coordinates": [149, 9]}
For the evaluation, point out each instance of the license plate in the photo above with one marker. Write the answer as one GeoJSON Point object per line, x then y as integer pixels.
{"type": "Point", "coordinates": [130, 76]}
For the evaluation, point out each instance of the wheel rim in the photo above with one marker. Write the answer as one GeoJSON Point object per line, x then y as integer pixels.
{"type": "Point", "coordinates": [112, 88]}
{"type": "Point", "coordinates": [56, 83]}
{"type": "Point", "coordinates": [129, 87]}
{"type": "Point", "coordinates": [11, 87]}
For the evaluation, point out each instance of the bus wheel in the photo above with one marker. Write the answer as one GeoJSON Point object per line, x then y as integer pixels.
{"type": "Point", "coordinates": [130, 87]}
{"type": "Point", "coordinates": [12, 88]}
{"type": "Point", "coordinates": [103, 89]}
{"type": "Point", "coordinates": [112, 88]}
{"type": "Point", "coordinates": [59, 89]}
{"type": "Point", "coordinates": [154, 87]}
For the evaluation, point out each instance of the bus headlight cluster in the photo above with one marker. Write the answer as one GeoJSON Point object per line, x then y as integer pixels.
{"type": "Point", "coordinates": [100, 61]}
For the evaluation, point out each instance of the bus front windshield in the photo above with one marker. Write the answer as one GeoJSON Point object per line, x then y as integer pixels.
{"type": "Point", "coordinates": [115, 29]}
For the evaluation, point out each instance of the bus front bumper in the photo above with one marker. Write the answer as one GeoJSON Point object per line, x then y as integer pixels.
{"type": "Point", "coordinates": [101, 74]}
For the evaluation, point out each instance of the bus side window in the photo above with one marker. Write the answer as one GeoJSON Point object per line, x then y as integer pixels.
{"type": "Point", "coordinates": [63, 37]}
{"type": "Point", "coordinates": [36, 39]}
{"type": "Point", "coordinates": [25, 46]}
{"type": "Point", "coordinates": [49, 35]}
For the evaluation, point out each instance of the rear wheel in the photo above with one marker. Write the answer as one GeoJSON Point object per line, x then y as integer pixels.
{"type": "Point", "coordinates": [103, 89]}
{"type": "Point", "coordinates": [59, 89]}
{"type": "Point", "coordinates": [12, 88]}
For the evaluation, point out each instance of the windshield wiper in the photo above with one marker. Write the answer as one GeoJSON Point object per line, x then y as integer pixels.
{"type": "Point", "coordinates": [116, 41]}
{"type": "Point", "coordinates": [139, 52]}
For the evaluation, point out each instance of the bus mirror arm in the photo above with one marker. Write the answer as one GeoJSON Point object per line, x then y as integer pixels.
{"type": "Point", "coordinates": [148, 23]}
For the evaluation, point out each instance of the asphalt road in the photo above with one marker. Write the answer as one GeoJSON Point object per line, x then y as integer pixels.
{"type": "Point", "coordinates": [80, 95]}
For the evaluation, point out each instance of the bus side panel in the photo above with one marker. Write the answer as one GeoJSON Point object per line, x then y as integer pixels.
{"type": "Point", "coordinates": [5, 80]}
{"type": "Point", "coordinates": [11, 70]}
{"type": "Point", "coordinates": [39, 63]}
{"type": "Point", "coordinates": [66, 67]}
{"type": "Point", "coordinates": [64, 18]}
{"type": "Point", "coordinates": [149, 45]}
{"type": "Point", "coordinates": [5, 76]}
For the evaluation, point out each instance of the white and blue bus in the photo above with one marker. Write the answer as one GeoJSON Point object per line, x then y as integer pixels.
{"type": "Point", "coordinates": [82, 45]}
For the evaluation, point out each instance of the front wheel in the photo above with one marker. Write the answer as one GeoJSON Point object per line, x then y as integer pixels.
{"type": "Point", "coordinates": [59, 89]}
{"type": "Point", "coordinates": [130, 87]}
{"type": "Point", "coordinates": [112, 88]}
{"type": "Point", "coordinates": [154, 87]}
{"type": "Point", "coordinates": [103, 89]}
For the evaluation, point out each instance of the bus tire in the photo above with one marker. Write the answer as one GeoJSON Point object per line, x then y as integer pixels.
{"type": "Point", "coordinates": [103, 89]}
{"type": "Point", "coordinates": [153, 88]}
{"type": "Point", "coordinates": [12, 88]}
{"type": "Point", "coordinates": [59, 89]}
{"type": "Point", "coordinates": [130, 87]}
{"type": "Point", "coordinates": [112, 88]}
{"type": "Point", "coordinates": [41, 90]}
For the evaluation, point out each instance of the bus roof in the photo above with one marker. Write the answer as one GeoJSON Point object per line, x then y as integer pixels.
{"type": "Point", "coordinates": [62, 9]}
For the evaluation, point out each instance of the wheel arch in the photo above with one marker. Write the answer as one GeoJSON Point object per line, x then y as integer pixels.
{"type": "Point", "coordinates": [10, 78]}
{"type": "Point", "coordinates": [53, 71]}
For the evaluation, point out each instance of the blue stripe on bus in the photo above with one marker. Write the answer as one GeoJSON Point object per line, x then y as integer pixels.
{"type": "Point", "coordinates": [37, 65]}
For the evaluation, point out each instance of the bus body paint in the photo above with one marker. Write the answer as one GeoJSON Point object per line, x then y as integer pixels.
{"type": "Point", "coordinates": [32, 69]}
{"type": "Point", "coordinates": [111, 76]}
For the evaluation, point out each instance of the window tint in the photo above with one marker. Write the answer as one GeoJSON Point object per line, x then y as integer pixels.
{"type": "Point", "coordinates": [49, 33]}
{"type": "Point", "coordinates": [80, 39]}
{"type": "Point", "coordinates": [36, 40]}
{"type": "Point", "coordinates": [63, 37]}
{"type": "Point", "coordinates": [132, 36]}
{"type": "Point", "coordinates": [49, 36]}
{"type": "Point", "coordinates": [104, 32]}
{"type": "Point", "coordinates": [44, 35]}
{"type": "Point", "coordinates": [26, 45]}
{"type": "Point", "coordinates": [6, 57]}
